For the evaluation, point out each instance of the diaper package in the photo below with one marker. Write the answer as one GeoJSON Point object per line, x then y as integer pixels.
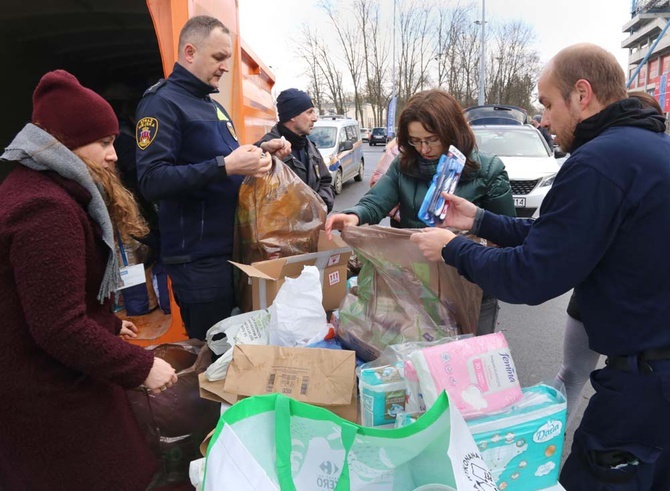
{"type": "Point", "coordinates": [522, 445]}
{"type": "Point", "coordinates": [478, 374]}
{"type": "Point", "coordinates": [414, 401]}
{"type": "Point", "coordinates": [383, 391]}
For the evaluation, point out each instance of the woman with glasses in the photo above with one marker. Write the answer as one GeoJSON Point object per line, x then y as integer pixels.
{"type": "Point", "coordinates": [430, 122]}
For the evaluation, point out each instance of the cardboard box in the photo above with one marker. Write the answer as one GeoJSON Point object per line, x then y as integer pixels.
{"type": "Point", "coordinates": [331, 259]}
{"type": "Point", "coordinates": [323, 377]}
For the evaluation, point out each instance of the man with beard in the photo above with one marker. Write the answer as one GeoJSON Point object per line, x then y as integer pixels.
{"type": "Point", "coordinates": [296, 120]}
{"type": "Point", "coordinates": [603, 230]}
{"type": "Point", "coordinates": [190, 162]}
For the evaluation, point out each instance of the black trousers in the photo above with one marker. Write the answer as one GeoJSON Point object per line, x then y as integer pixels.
{"type": "Point", "coordinates": [623, 441]}
{"type": "Point", "coordinates": [199, 317]}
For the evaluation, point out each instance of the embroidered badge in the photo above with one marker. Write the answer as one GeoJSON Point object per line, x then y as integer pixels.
{"type": "Point", "coordinates": [231, 130]}
{"type": "Point", "coordinates": [147, 129]}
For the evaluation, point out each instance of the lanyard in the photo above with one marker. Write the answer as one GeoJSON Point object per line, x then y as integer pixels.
{"type": "Point", "coordinates": [122, 249]}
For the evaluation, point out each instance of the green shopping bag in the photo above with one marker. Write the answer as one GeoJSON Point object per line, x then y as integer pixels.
{"type": "Point", "coordinates": [272, 442]}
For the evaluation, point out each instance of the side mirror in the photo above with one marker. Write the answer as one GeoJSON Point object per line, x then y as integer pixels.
{"type": "Point", "coordinates": [347, 145]}
{"type": "Point", "coordinates": [558, 153]}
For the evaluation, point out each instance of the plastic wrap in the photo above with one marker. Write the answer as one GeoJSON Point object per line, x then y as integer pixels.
{"type": "Point", "coordinates": [401, 296]}
{"type": "Point", "coordinates": [277, 216]}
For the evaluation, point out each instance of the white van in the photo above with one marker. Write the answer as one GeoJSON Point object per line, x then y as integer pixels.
{"type": "Point", "coordinates": [339, 141]}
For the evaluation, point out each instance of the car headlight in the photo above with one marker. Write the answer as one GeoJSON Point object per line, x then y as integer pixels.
{"type": "Point", "coordinates": [547, 181]}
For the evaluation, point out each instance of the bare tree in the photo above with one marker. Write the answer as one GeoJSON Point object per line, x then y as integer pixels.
{"type": "Point", "coordinates": [513, 65]}
{"type": "Point", "coordinates": [417, 49]}
{"type": "Point", "coordinates": [439, 46]}
{"type": "Point", "coordinates": [349, 39]}
{"type": "Point", "coordinates": [322, 69]}
{"type": "Point", "coordinates": [375, 55]}
{"type": "Point", "coordinates": [450, 28]}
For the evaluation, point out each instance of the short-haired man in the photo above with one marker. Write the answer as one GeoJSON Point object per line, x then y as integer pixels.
{"type": "Point", "coordinates": [190, 162]}
{"type": "Point", "coordinates": [296, 120]}
{"type": "Point", "coordinates": [603, 230]}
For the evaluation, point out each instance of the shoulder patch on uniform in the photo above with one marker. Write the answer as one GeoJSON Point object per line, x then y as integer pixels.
{"type": "Point", "coordinates": [231, 130]}
{"type": "Point", "coordinates": [146, 131]}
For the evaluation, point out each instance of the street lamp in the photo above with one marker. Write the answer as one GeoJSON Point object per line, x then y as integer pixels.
{"type": "Point", "coordinates": [482, 61]}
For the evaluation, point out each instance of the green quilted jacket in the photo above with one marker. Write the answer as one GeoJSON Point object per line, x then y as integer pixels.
{"type": "Point", "coordinates": [487, 187]}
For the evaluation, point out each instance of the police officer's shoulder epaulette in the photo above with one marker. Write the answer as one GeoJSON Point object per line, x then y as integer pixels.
{"type": "Point", "coordinates": [154, 88]}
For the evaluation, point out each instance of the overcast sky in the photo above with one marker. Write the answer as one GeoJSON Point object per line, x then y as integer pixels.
{"type": "Point", "coordinates": [271, 26]}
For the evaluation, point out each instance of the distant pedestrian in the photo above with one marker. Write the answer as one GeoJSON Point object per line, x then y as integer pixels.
{"type": "Point", "coordinates": [537, 122]}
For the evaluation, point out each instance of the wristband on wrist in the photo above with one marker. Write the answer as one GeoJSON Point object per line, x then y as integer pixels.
{"type": "Point", "coordinates": [221, 162]}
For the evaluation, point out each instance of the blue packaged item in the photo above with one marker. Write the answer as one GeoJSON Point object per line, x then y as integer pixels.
{"type": "Point", "coordinates": [449, 168]}
{"type": "Point", "coordinates": [326, 344]}
{"type": "Point", "coordinates": [382, 390]}
{"type": "Point", "coordinates": [523, 444]}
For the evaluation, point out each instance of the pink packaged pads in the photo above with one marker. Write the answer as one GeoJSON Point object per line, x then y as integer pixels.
{"type": "Point", "coordinates": [478, 373]}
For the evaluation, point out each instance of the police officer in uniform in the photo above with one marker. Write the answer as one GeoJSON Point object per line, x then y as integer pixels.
{"type": "Point", "coordinates": [190, 163]}
{"type": "Point", "coordinates": [296, 120]}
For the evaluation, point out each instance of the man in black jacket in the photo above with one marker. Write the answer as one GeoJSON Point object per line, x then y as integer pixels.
{"type": "Point", "coordinates": [296, 120]}
{"type": "Point", "coordinates": [537, 122]}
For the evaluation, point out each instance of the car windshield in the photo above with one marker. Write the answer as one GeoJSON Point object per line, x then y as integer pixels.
{"type": "Point", "coordinates": [378, 131]}
{"type": "Point", "coordinates": [323, 136]}
{"type": "Point", "coordinates": [506, 143]}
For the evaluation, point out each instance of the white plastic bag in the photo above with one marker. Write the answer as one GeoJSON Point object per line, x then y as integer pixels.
{"type": "Point", "coordinates": [297, 317]}
{"type": "Point", "coordinates": [249, 328]}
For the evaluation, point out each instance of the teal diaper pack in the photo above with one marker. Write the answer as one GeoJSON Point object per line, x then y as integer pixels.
{"type": "Point", "coordinates": [382, 391]}
{"type": "Point", "coordinates": [522, 445]}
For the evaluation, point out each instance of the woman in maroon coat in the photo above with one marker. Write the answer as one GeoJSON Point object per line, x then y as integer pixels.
{"type": "Point", "coordinates": [65, 422]}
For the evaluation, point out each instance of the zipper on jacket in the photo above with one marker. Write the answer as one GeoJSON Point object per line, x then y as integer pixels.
{"type": "Point", "coordinates": [202, 219]}
{"type": "Point", "coordinates": [181, 228]}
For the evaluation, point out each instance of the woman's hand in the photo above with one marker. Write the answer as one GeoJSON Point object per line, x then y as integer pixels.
{"type": "Point", "coordinates": [162, 376]}
{"type": "Point", "coordinates": [338, 221]}
{"type": "Point", "coordinates": [431, 241]}
{"type": "Point", "coordinates": [128, 330]}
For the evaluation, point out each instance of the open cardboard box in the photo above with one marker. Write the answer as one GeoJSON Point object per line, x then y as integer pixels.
{"type": "Point", "coordinates": [331, 259]}
{"type": "Point", "coordinates": [323, 377]}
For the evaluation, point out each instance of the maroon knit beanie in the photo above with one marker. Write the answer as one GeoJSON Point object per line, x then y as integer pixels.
{"type": "Point", "coordinates": [70, 112]}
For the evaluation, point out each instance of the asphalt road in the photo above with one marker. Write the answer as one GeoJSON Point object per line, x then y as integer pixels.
{"type": "Point", "coordinates": [534, 333]}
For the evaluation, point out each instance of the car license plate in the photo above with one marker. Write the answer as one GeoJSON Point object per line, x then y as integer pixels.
{"type": "Point", "coordinates": [519, 202]}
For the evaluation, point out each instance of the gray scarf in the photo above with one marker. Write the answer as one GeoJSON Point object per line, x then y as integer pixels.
{"type": "Point", "coordinates": [35, 148]}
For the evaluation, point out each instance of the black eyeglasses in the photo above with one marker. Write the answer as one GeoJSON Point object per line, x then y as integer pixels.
{"type": "Point", "coordinates": [433, 141]}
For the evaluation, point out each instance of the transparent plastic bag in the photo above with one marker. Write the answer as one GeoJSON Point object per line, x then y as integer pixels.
{"type": "Point", "coordinates": [401, 296]}
{"type": "Point", "coordinates": [278, 215]}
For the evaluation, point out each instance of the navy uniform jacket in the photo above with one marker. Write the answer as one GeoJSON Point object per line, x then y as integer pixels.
{"type": "Point", "coordinates": [180, 132]}
{"type": "Point", "coordinates": [604, 229]}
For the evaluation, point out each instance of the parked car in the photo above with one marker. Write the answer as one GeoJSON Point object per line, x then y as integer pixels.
{"type": "Point", "coordinates": [365, 134]}
{"type": "Point", "coordinates": [529, 161]}
{"type": "Point", "coordinates": [339, 141]}
{"type": "Point", "coordinates": [495, 114]}
{"type": "Point", "coordinates": [378, 135]}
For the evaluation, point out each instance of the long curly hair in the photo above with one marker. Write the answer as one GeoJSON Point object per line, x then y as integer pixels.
{"type": "Point", "coordinates": [121, 204]}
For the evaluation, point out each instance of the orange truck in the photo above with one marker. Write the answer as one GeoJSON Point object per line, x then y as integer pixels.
{"type": "Point", "coordinates": [128, 43]}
